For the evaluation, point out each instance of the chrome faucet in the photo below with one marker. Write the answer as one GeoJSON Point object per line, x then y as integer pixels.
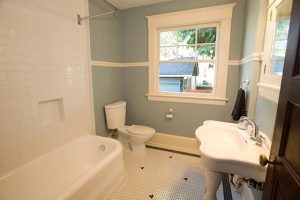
{"type": "Point", "coordinates": [244, 122]}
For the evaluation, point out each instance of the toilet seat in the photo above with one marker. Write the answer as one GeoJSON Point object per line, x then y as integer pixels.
{"type": "Point", "coordinates": [140, 130]}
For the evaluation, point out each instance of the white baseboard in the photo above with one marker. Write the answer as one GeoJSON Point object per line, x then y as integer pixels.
{"type": "Point", "coordinates": [174, 142]}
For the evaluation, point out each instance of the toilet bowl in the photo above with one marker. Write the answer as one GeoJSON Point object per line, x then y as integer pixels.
{"type": "Point", "coordinates": [138, 135]}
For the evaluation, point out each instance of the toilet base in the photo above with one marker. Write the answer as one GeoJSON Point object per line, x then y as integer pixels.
{"type": "Point", "coordinates": [131, 146]}
{"type": "Point", "coordinates": [138, 148]}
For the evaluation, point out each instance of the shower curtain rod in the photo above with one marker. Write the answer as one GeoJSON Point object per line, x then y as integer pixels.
{"type": "Point", "coordinates": [79, 19]}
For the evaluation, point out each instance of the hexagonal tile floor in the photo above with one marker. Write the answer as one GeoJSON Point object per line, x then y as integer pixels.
{"type": "Point", "coordinates": [163, 175]}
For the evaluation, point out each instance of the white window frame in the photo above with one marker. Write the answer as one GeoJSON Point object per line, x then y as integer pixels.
{"type": "Point", "coordinates": [219, 16]}
{"type": "Point", "coordinates": [269, 84]}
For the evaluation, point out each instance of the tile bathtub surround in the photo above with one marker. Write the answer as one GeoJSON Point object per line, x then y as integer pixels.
{"type": "Point", "coordinates": [163, 175]}
{"type": "Point", "coordinates": [44, 58]}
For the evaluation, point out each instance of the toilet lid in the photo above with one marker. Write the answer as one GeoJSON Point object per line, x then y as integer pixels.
{"type": "Point", "coordinates": [140, 130]}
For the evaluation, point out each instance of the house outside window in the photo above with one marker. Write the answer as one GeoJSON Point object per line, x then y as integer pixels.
{"type": "Point", "coordinates": [188, 55]}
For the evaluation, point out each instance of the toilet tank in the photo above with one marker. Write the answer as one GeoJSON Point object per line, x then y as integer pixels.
{"type": "Point", "coordinates": [115, 114]}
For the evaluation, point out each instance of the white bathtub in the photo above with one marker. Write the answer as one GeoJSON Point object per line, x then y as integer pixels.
{"type": "Point", "coordinates": [81, 170]}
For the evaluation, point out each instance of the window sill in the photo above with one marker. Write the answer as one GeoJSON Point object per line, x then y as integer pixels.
{"type": "Point", "coordinates": [268, 91]}
{"type": "Point", "coordinates": [187, 99]}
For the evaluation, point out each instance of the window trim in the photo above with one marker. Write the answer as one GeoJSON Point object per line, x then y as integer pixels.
{"type": "Point", "coordinates": [220, 15]}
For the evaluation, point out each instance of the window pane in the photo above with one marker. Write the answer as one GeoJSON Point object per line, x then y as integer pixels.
{"type": "Point", "coordinates": [279, 48]}
{"type": "Point", "coordinates": [206, 35]}
{"type": "Point", "coordinates": [168, 38]}
{"type": "Point", "coordinates": [277, 66]}
{"type": "Point", "coordinates": [280, 37]}
{"type": "Point", "coordinates": [206, 52]}
{"type": "Point", "coordinates": [168, 53]}
{"type": "Point", "coordinates": [282, 29]}
{"type": "Point", "coordinates": [186, 37]}
{"type": "Point", "coordinates": [186, 52]}
{"type": "Point", "coordinates": [187, 77]}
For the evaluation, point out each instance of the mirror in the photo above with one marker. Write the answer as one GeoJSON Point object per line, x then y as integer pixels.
{"type": "Point", "coordinates": [282, 25]}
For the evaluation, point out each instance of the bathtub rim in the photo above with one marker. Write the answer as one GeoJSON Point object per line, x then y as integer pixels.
{"type": "Point", "coordinates": [119, 149]}
{"type": "Point", "coordinates": [85, 177]}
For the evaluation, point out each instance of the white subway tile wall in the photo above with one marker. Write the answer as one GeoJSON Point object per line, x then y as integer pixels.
{"type": "Point", "coordinates": [44, 55]}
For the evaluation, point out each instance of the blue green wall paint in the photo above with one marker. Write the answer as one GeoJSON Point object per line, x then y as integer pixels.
{"type": "Point", "coordinates": [105, 35]}
{"type": "Point", "coordinates": [135, 27]}
{"type": "Point", "coordinates": [266, 115]}
{"type": "Point", "coordinates": [132, 82]}
{"type": "Point", "coordinates": [106, 89]}
{"type": "Point", "coordinates": [187, 117]}
{"type": "Point", "coordinates": [262, 110]}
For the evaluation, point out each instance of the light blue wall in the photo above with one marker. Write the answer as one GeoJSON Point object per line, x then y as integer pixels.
{"type": "Point", "coordinates": [106, 41]}
{"type": "Point", "coordinates": [107, 88]}
{"type": "Point", "coordinates": [133, 81]}
{"type": "Point", "coordinates": [105, 34]}
{"type": "Point", "coordinates": [187, 117]}
{"type": "Point", "coordinates": [135, 48]}
{"type": "Point", "coordinates": [262, 110]}
{"type": "Point", "coordinates": [266, 115]}
{"type": "Point", "coordinates": [250, 27]}
{"type": "Point", "coordinates": [251, 71]}
{"type": "Point", "coordinates": [134, 26]}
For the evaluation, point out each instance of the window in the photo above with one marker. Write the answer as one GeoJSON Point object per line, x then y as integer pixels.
{"type": "Point", "coordinates": [280, 43]}
{"type": "Point", "coordinates": [186, 63]}
{"type": "Point", "coordinates": [277, 28]}
{"type": "Point", "coordinates": [188, 59]}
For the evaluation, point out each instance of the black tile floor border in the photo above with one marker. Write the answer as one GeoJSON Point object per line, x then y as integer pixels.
{"type": "Point", "coordinates": [225, 181]}
{"type": "Point", "coordinates": [173, 151]}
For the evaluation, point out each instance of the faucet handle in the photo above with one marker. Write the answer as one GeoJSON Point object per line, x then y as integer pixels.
{"type": "Point", "coordinates": [259, 139]}
{"type": "Point", "coordinates": [260, 136]}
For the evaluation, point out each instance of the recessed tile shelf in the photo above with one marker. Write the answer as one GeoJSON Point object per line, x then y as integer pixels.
{"type": "Point", "coordinates": [51, 111]}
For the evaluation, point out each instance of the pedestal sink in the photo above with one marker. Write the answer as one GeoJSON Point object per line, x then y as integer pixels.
{"type": "Point", "coordinates": [226, 149]}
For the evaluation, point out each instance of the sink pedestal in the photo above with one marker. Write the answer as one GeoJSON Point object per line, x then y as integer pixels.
{"type": "Point", "coordinates": [213, 181]}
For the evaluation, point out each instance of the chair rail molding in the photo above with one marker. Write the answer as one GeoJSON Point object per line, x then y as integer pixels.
{"type": "Point", "coordinates": [100, 63]}
{"type": "Point", "coordinates": [254, 57]}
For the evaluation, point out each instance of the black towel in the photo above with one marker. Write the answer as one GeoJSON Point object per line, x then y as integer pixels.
{"type": "Point", "coordinates": [240, 105]}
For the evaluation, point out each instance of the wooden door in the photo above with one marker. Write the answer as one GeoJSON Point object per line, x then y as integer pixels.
{"type": "Point", "coordinates": [283, 177]}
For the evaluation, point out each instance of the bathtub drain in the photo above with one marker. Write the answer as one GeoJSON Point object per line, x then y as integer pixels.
{"type": "Point", "coordinates": [101, 147]}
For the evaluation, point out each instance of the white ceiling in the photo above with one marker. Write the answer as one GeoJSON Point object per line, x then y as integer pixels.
{"type": "Point", "coordinates": [124, 4]}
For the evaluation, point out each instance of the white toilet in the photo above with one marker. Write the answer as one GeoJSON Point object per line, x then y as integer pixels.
{"type": "Point", "coordinates": [138, 135]}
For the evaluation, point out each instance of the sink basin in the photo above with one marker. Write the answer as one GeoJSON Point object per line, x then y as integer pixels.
{"type": "Point", "coordinates": [225, 148]}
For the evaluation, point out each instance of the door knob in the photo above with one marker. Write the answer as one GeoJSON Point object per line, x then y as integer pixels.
{"type": "Point", "coordinates": [263, 160]}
